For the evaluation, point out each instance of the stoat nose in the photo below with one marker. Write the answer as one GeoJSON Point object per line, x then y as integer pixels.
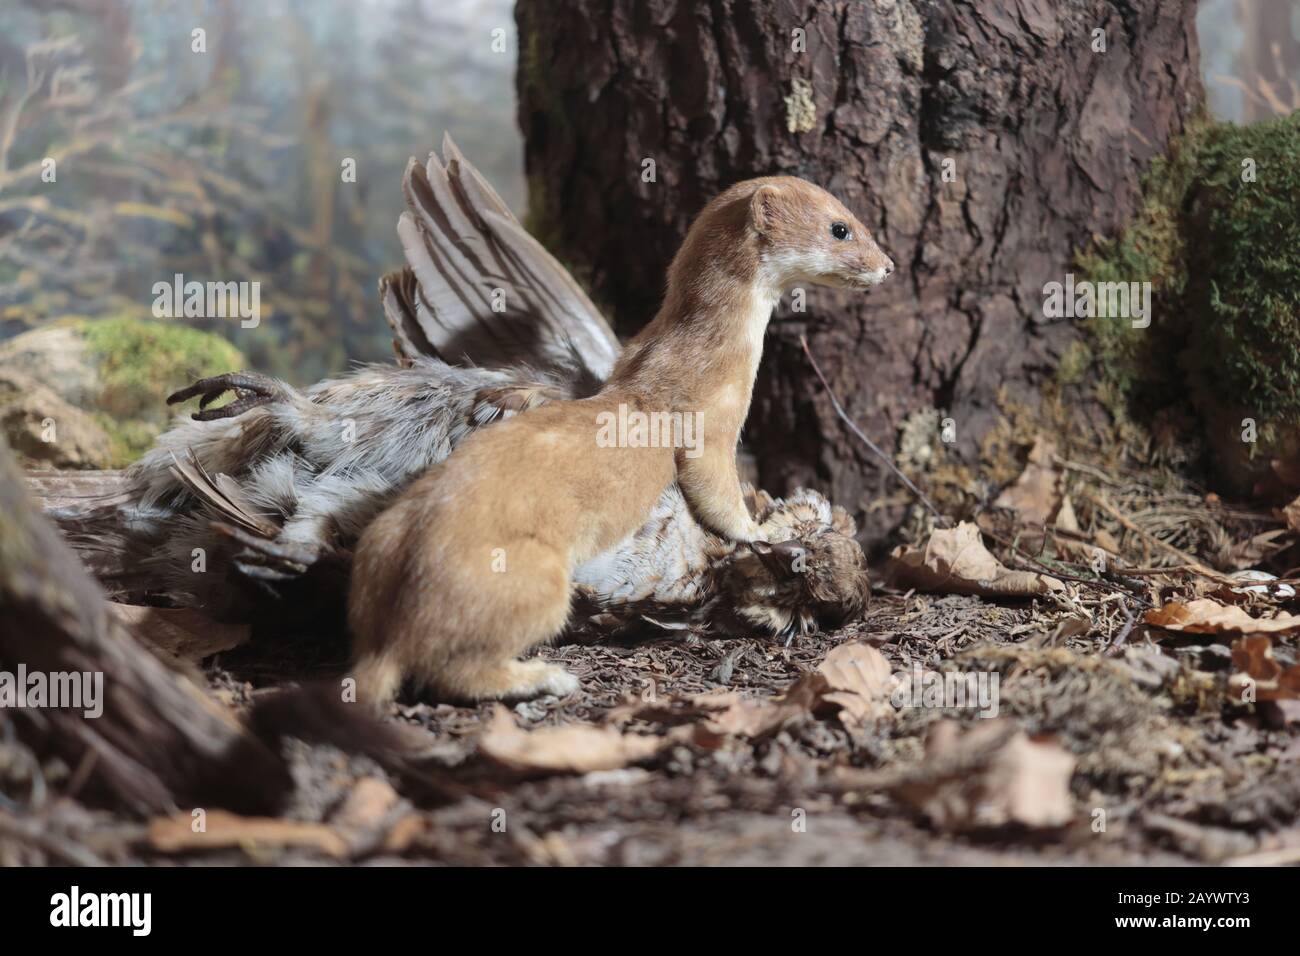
{"type": "Point", "coordinates": [889, 268]}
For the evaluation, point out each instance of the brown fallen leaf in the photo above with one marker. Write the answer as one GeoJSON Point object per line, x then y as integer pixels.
{"type": "Point", "coordinates": [1036, 495]}
{"type": "Point", "coordinates": [854, 682]}
{"type": "Point", "coordinates": [1106, 541]}
{"type": "Point", "coordinates": [180, 632]}
{"type": "Point", "coordinates": [955, 561]}
{"type": "Point", "coordinates": [991, 775]}
{"type": "Point", "coordinates": [224, 830]}
{"type": "Point", "coordinates": [1258, 675]}
{"type": "Point", "coordinates": [573, 748]}
{"type": "Point", "coordinates": [1207, 616]}
{"type": "Point", "coordinates": [1066, 519]}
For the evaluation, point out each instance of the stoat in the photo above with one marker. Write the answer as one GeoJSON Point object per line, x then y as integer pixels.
{"type": "Point", "coordinates": [473, 564]}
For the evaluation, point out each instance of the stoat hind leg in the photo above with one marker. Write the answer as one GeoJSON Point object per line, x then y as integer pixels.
{"type": "Point", "coordinates": [378, 677]}
{"type": "Point", "coordinates": [522, 603]}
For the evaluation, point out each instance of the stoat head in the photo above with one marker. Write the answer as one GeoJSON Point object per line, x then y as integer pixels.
{"type": "Point", "coordinates": [806, 235]}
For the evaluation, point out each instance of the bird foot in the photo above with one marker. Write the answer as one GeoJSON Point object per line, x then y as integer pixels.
{"type": "Point", "coordinates": [251, 390]}
{"type": "Point", "coordinates": [268, 560]}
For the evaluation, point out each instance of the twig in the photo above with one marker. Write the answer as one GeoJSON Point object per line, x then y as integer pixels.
{"type": "Point", "coordinates": [839, 410]}
{"type": "Point", "coordinates": [1153, 572]}
{"type": "Point", "coordinates": [1130, 620]}
{"type": "Point", "coordinates": [1190, 561]}
{"type": "Point", "coordinates": [1060, 575]}
{"type": "Point", "coordinates": [1088, 470]}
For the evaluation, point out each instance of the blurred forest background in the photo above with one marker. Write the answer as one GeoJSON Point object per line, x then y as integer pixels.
{"type": "Point", "coordinates": [226, 164]}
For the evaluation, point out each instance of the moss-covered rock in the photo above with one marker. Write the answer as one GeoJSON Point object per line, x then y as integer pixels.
{"type": "Point", "coordinates": [44, 430]}
{"type": "Point", "coordinates": [1219, 239]}
{"type": "Point", "coordinates": [120, 370]}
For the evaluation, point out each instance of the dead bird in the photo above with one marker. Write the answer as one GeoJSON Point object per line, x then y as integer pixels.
{"type": "Point", "coordinates": [279, 484]}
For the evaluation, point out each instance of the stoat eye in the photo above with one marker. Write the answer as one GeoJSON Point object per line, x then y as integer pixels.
{"type": "Point", "coordinates": [839, 230]}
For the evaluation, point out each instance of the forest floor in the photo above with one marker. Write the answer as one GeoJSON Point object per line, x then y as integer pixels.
{"type": "Point", "coordinates": [1138, 713]}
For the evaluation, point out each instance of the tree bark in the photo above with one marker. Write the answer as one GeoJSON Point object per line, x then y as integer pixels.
{"type": "Point", "coordinates": [1046, 139]}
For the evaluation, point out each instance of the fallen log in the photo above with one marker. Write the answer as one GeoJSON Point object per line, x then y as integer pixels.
{"type": "Point", "coordinates": [160, 741]}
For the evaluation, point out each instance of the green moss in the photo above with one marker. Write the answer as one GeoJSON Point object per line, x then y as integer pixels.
{"type": "Point", "coordinates": [1223, 256]}
{"type": "Point", "coordinates": [140, 364]}
{"type": "Point", "coordinates": [1074, 363]}
{"type": "Point", "coordinates": [1244, 281]}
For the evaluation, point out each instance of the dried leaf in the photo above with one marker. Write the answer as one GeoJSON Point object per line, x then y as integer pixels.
{"type": "Point", "coordinates": [1207, 616]}
{"type": "Point", "coordinates": [574, 748]}
{"type": "Point", "coordinates": [223, 830]}
{"type": "Point", "coordinates": [991, 775]}
{"type": "Point", "coordinates": [854, 681]}
{"type": "Point", "coordinates": [1106, 541]}
{"type": "Point", "coordinates": [1259, 676]}
{"type": "Point", "coordinates": [1066, 519]}
{"type": "Point", "coordinates": [180, 632]}
{"type": "Point", "coordinates": [955, 561]}
{"type": "Point", "coordinates": [1036, 494]}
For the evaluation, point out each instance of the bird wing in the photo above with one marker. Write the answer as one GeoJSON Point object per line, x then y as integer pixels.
{"type": "Point", "coordinates": [221, 493]}
{"type": "Point", "coordinates": [479, 289]}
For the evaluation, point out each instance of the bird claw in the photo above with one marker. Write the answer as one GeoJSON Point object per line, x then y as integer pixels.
{"type": "Point", "coordinates": [264, 572]}
{"type": "Point", "coordinates": [269, 560]}
{"type": "Point", "coordinates": [251, 390]}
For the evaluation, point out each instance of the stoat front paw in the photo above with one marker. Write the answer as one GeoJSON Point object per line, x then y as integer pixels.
{"type": "Point", "coordinates": [747, 533]}
{"type": "Point", "coordinates": [541, 678]}
{"type": "Point", "coordinates": [557, 681]}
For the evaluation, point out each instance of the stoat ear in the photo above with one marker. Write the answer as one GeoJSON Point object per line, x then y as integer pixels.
{"type": "Point", "coordinates": [762, 208]}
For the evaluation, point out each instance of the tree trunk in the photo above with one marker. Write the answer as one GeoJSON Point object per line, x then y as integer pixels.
{"type": "Point", "coordinates": [1046, 139]}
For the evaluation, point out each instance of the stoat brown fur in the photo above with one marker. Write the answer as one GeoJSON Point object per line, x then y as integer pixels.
{"type": "Point", "coordinates": [472, 565]}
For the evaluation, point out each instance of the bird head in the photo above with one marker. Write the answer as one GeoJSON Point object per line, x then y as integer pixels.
{"type": "Point", "coordinates": [809, 574]}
